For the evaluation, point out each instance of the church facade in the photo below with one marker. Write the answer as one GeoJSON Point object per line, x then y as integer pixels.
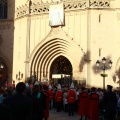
{"type": "Point", "coordinates": [45, 39]}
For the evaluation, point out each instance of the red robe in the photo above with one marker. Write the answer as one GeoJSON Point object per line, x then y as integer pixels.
{"type": "Point", "coordinates": [93, 110]}
{"type": "Point", "coordinates": [50, 94]}
{"type": "Point", "coordinates": [59, 96]}
{"type": "Point", "coordinates": [13, 85]}
{"type": "Point", "coordinates": [71, 96]}
{"type": "Point", "coordinates": [46, 111]}
{"type": "Point", "coordinates": [83, 103]}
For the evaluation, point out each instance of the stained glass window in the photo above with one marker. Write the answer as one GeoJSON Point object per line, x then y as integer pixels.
{"type": "Point", "coordinates": [3, 9]}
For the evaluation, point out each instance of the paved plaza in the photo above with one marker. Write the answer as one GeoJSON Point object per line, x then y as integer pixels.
{"type": "Point", "coordinates": [62, 116]}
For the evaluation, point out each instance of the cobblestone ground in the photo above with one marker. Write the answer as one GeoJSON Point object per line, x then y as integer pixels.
{"type": "Point", "coordinates": [62, 115]}
{"type": "Point", "coordinates": [53, 115]}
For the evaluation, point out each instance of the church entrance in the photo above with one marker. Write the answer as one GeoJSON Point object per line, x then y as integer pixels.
{"type": "Point", "coordinates": [3, 73]}
{"type": "Point", "coordinates": [61, 71]}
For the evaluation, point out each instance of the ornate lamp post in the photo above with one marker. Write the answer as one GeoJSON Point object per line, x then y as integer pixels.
{"type": "Point", "coordinates": [1, 68]}
{"type": "Point", "coordinates": [19, 76]}
{"type": "Point", "coordinates": [104, 66]}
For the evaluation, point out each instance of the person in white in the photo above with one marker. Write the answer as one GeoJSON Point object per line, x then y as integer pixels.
{"type": "Point", "coordinates": [65, 103]}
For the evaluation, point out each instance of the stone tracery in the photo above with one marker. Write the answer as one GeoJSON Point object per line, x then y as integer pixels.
{"type": "Point", "coordinates": [68, 5]}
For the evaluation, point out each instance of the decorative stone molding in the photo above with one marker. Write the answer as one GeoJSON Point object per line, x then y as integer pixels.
{"type": "Point", "coordinates": [100, 3]}
{"type": "Point", "coordinates": [22, 11]}
{"type": "Point", "coordinates": [40, 8]}
{"type": "Point", "coordinates": [75, 5]}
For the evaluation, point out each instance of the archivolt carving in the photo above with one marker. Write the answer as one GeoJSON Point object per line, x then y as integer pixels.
{"type": "Point", "coordinates": [40, 8]}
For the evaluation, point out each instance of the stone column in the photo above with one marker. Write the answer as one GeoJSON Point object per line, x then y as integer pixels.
{"type": "Point", "coordinates": [27, 72]}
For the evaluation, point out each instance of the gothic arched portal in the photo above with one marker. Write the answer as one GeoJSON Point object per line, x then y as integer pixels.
{"type": "Point", "coordinates": [61, 71]}
{"type": "Point", "coordinates": [3, 73]}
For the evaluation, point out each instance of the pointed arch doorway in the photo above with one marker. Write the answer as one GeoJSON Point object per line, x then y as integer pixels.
{"type": "Point", "coordinates": [61, 71]}
{"type": "Point", "coordinates": [3, 73]}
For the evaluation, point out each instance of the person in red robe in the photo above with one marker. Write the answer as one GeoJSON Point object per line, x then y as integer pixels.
{"type": "Point", "coordinates": [59, 98]}
{"type": "Point", "coordinates": [83, 103]}
{"type": "Point", "coordinates": [93, 110]}
{"type": "Point", "coordinates": [13, 85]}
{"type": "Point", "coordinates": [71, 96]}
{"type": "Point", "coordinates": [46, 111]}
{"type": "Point", "coordinates": [50, 91]}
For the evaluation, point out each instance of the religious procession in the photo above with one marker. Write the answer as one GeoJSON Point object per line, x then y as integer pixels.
{"type": "Point", "coordinates": [27, 101]}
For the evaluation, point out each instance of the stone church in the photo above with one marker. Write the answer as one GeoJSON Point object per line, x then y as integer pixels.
{"type": "Point", "coordinates": [60, 41]}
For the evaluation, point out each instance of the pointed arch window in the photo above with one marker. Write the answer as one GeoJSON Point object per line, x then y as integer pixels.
{"type": "Point", "coordinates": [3, 9]}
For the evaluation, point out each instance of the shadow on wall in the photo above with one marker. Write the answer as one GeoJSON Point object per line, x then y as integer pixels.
{"type": "Point", "coordinates": [97, 70]}
{"type": "Point", "coordinates": [116, 78]}
{"type": "Point", "coordinates": [85, 59]}
{"type": "Point", "coordinates": [7, 36]}
{"type": "Point", "coordinates": [82, 62]}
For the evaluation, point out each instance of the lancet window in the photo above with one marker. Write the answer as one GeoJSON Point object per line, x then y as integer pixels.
{"type": "Point", "coordinates": [3, 9]}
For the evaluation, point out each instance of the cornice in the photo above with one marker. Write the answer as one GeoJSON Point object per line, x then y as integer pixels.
{"type": "Point", "coordinates": [6, 20]}
{"type": "Point", "coordinates": [43, 8]}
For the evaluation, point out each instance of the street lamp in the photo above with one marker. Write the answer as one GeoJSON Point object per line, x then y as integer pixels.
{"type": "Point", "coordinates": [1, 68]}
{"type": "Point", "coordinates": [104, 67]}
{"type": "Point", "coordinates": [19, 76]}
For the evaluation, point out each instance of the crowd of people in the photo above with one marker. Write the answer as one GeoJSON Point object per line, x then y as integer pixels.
{"type": "Point", "coordinates": [33, 102]}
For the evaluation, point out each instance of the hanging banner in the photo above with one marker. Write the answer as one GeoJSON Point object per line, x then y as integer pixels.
{"type": "Point", "coordinates": [56, 15]}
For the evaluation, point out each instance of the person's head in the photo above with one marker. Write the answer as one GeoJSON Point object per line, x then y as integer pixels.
{"type": "Point", "coordinates": [45, 87]}
{"type": "Point", "coordinates": [59, 87]}
{"type": "Point", "coordinates": [72, 86]}
{"type": "Point", "coordinates": [36, 88]}
{"type": "Point", "coordinates": [83, 88]}
{"type": "Point", "coordinates": [99, 89]}
{"type": "Point", "coordinates": [20, 88]}
{"type": "Point", "coordinates": [109, 87]}
{"type": "Point", "coordinates": [13, 82]}
{"type": "Point", "coordinates": [66, 89]}
{"type": "Point", "coordinates": [36, 83]}
{"type": "Point", "coordinates": [50, 87]}
{"type": "Point", "coordinates": [93, 89]}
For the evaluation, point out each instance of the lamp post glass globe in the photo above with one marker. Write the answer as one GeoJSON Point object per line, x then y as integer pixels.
{"type": "Point", "coordinates": [104, 60]}
{"type": "Point", "coordinates": [110, 63]}
{"type": "Point", "coordinates": [97, 63]}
